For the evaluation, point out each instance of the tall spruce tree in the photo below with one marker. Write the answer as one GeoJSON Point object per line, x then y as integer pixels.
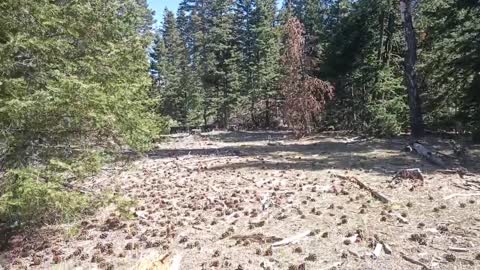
{"type": "Point", "coordinates": [450, 64]}
{"type": "Point", "coordinates": [73, 81]}
{"type": "Point", "coordinates": [62, 84]}
{"type": "Point", "coordinates": [176, 80]}
{"type": "Point", "coordinates": [244, 32]}
{"type": "Point", "coordinates": [267, 64]}
{"type": "Point", "coordinates": [369, 91]}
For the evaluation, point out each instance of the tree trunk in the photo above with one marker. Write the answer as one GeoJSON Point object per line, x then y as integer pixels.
{"type": "Point", "coordinates": [382, 31]}
{"type": "Point", "coordinates": [267, 113]}
{"type": "Point", "coordinates": [252, 114]}
{"type": "Point", "coordinates": [416, 118]}
{"type": "Point", "coordinates": [388, 43]}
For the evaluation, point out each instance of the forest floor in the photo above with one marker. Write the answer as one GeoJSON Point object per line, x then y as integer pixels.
{"type": "Point", "coordinates": [222, 200]}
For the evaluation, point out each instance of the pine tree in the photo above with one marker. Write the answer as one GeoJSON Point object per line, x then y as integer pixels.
{"type": "Point", "coordinates": [62, 84]}
{"type": "Point", "coordinates": [176, 83]}
{"type": "Point", "coordinates": [450, 58]}
{"type": "Point", "coordinates": [73, 81]}
{"type": "Point", "coordinates": [364, 63]}
{"type": "Point", "coordinates": [267, 64]}
{"type": "Point", "coordinates": [218, 58]}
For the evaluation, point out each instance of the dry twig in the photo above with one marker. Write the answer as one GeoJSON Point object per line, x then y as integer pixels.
{"type": "Point", "coordinates": [374, 193]}
{"type": "Point", "coordinates": [412, 260]}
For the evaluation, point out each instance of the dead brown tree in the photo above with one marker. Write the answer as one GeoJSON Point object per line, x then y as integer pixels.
{"type": "Point", "coordinates": [305, 96]}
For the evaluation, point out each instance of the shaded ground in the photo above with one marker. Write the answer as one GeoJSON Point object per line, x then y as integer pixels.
{"type": "Point", "coordinates": [220, 199]}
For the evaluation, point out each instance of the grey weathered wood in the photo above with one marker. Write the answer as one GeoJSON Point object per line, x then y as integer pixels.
{"type": "Point", "coordinates": [428, 155]}
{"type": "Point", "coordinates": [383, 198]}
{"type": "Point", "coordinates": [292, 239]}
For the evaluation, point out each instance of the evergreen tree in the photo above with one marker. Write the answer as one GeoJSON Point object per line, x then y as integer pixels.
{"type": "Point", "coordinates": [62, 84]}
{"type": "Point", "coordinates": [176, 83]}
{"type": "Point", "coordinates": [233, 50]}
{"type": "Point", "coordinates": [73, 81]}
{"type": "Point", "coordinates": [218, 62]}
{"type": "Point", "coordinates": [244, 32]}
{"type": "Point", "coordinates": [363, 61]}
{"type": "Point", "coordinates": [267, 64]}
{"type": "Point", "coordinates": [450, 64]}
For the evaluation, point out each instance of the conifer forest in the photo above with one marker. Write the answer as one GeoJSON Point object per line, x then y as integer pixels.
{"type": "Point", "coordinates": [240, 134]}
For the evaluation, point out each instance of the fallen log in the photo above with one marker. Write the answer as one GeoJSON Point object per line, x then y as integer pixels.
{"type": "Point", "coordinates": [381, 197]}
{"type": "Point", "coordinates": [412, 260]}
{"type": "Point", "coordinates": [462, 172]}
{"type": "Point", "coordinates": [427, 154]}
{"type": "Point", "coordinates": [458, 249]}
{"type": "Point", "coordinates": [259, 238]}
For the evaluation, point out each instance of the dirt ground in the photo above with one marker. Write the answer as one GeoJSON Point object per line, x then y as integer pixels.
{"type": "Point", "coordinates": [222, 200]}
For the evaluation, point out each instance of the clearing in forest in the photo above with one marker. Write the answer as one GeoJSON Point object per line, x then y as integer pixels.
{"type": "Point", "coordinates": [252, 200]}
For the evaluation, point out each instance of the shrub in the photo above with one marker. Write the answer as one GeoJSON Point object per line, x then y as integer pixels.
{"type": "Point", "coordinates": [29, 197]}
{"type": "Point", "coordinates": [385, 122]}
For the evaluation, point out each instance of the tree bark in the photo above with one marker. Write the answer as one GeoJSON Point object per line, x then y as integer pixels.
{"type": "Point", "coordinates": [267, 113]}
{"type": "Point", "coordinates": [414, 102]}
{"type": "Point", "coordinates": [382, 31]}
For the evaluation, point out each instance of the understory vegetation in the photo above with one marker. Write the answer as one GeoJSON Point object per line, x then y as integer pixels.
{"type": "Point", "coordinates": [82, 80]}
